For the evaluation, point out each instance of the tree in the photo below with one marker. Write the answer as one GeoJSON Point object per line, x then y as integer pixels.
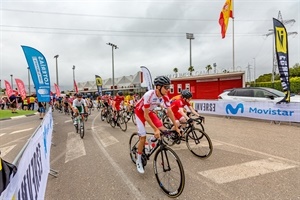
{"type": "Point", "coordinates": [175, 70]}
{"type": "Point", "coordinates": [191, 69]}
{"type": "Point", "coordinates": [208, 68]}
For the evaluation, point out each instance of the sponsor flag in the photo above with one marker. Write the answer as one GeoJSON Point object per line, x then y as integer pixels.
{"type": "Point", "coordinates": [225, 14]}
{"type": "Point", "coordinates": [8, 88]}
{"type": "Point", "coordinates": [57, 90]}
{"type": "Point", "coordinates": [21, 88]}
{"type": "Point", "coordinates": [281, 50]}
{"type": "Point", "coordinates": [147, 77]}
{"type": "Point", "coordinates": [75, 87]}
{"type": "Point", "coordinates": [39, 72]}
{"type": "Point", "coordinates": [99, 84]}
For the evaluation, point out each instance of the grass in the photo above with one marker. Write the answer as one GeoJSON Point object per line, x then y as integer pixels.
{"type": "Point", "coordinates": [7, 113]}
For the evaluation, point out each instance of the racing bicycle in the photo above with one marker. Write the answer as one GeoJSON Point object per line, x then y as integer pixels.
{"type": "Point", "coordinates": [167, 166]}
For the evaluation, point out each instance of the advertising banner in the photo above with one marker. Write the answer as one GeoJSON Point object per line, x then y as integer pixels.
{"type": "Point", "coordinates": [57, 90]}
{"type": "Point", "coordinates": [33, 167]}
{"type": "Point", "coordinates": [39, 72]}
{"type": "Point", "coordinates": [75, 86]}
{"type": "Point", "coordinates": [8, 88]}
{"type": "Point", "coordinates": [99, 84]}
{"type": "Point", "coordinates": [258, 110]}
{"type": "Point", "coordinates": [147, 77]}
{"type": "Point", "coordinates": [21, 88]}
{"type": "Point", "coordinates": [282, 55]}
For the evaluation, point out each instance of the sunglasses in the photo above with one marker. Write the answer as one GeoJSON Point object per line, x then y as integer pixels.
{"type": "Point", "coordinates": [166, 87]}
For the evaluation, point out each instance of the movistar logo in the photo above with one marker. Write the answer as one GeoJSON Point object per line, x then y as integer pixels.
{"type": "Point", "coordinates": [232, 110]}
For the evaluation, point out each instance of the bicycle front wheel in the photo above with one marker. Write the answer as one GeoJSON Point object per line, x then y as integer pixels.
{"type": "Point", "coordinates": [133, 118]}
{"type": "Point", "coordinates": [169, 172]}
{"type": "Point", "coordinates": [199, 143]}
{"type": "Point", "coordinates": [122, 123]}
{"type": "Point", "coordinates": [81, 130]}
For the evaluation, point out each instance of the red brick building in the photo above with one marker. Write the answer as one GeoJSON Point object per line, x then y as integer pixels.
{"type": "Point", "coordinates": [207, 86]}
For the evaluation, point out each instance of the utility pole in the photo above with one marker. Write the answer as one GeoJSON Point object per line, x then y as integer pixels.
{"type": "Point", "coordinates": [113, 46]}
{"type": "Point", "coordinates": [190, 36]}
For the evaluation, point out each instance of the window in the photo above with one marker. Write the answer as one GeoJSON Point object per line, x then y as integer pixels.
{"type": "Point", "coordinates": [187, 86]}
{"type": "Point", "coordinates": [171, 89]}
{"type": "Point", "coordinates": [179, 88]}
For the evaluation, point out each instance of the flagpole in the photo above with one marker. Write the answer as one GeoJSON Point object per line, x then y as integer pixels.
{"type": "Point", "coordinates": [233, 58]}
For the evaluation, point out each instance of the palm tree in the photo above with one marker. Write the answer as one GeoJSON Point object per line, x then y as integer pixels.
{"type": "Point", "coordinates": [208, 68]}
{"type": "Point", "coordinates": [175, 70]}
{"type": "Point", "coordinates": [191, 69]}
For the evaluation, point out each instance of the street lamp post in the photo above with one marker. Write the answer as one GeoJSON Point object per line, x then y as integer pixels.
{"type": "Point", "coordinates": [11, 81]}
{"type": "Point", "coordinates": [56, 69]}
{"type": "Point", "coordinates": [190, 36]}
{"type": "Point", "coordinates": [73, 77]}
{"type": "Point", "coordinates": [29, 92]}
{"type": "Point", "coordinates": [113, 46]}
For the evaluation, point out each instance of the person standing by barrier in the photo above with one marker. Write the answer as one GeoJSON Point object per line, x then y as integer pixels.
{"type": "Point", "coordinates": [42, 109]}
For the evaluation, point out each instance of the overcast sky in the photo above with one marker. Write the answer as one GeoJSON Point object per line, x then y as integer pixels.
{"type": "Point", "coordinates": [148, 33]}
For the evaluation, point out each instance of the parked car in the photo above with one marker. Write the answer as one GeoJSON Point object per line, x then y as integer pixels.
{"type": "Point", "coordinates": [255, 94]}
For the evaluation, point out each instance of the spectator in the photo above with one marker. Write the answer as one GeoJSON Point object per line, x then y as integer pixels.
{"type": "Point", "coordinates": [25, 104]}
{"type": "Point", "coordinates": [13, 103]}
{"type": "Point", "coordinates": [2, 103]}
{"type": "Point", "coordinates": [42, 109]}
{"type": "Point", "coordinates": [31, 102]}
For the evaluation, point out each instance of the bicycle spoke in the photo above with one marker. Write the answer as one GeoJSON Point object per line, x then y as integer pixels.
{"type": "Point", "coordinates": [199, 143]}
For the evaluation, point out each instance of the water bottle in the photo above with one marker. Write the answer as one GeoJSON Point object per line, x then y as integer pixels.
{"type": "Point", "coordinates": [151, 142]}
{"type": "Point", "coordinates": [147, 149]}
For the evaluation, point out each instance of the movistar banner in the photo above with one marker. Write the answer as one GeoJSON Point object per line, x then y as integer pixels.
{"type": "Point", "coordinates": [258, 110]}
{"type": "Point", "coordinates": [39, 72]}
{"type": "Point", "coordinates": [99, 84]}
{"type": "Point", "coordinates": [281, 49]}
{"type": "Point", "coordinates": [147, 77]}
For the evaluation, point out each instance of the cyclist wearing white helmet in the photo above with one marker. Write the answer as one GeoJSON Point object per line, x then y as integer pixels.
{"type": "Point", "coordinates": [144, 112]}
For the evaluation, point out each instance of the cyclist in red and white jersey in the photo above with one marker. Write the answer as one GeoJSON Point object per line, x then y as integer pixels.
{"type": "Point", "coordinates": [144, 111]}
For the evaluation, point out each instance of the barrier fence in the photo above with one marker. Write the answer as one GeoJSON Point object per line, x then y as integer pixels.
{"type": "Point", "coordinates": [33, 163]}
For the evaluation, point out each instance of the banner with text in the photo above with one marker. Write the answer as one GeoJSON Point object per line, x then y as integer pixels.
{"type": "Point", "coordinates": [259, 110]}
{"type": "Point", "coordinates": [30, 181]}
{"type": "Point", "coordinates": [8, 89]}
{"type": "Point", "coordinates": [99, 84]}
{"type": "Point", "coordinates": [21, 88]}
{"type": "Point", "coordinates": [39, 72]}
{"type": "Point", "coordinates": [282, 55]}
{"type": "Point", "coordinates": [57, 90]}
{"type": "Point", "coordinates": [147, 77]}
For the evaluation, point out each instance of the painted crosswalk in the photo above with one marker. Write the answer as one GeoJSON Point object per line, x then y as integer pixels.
{"type": "Point", "coordinates": [6, 150]}
{"type": "Point", "coordinates": [245, 170]}
{"type": "Point", "coordinates": [23, 130]}
{"type": "Point", "coordinates": [75, 147]}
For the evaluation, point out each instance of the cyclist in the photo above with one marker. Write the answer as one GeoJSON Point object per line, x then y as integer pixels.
{"type": "Point", "coordinates": [129, 101]}
{"type": "Point", "coordinates": [79, 106]}
{"type": "Point", "coordinates": [178, 105]}
{"type": "Point", "coordinates": [144, 111]}
{"type": "Point", "coordinates": [117, 102]}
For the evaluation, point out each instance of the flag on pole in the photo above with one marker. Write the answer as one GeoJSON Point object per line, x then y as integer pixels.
{"type": "Point", "coordinates": [21, 88]}
{"type": "Point", "coordinates": [147, 77]}
{"type": "Point", "coordinates": [281, 50]}
{"type": "Point", "coordinates": [39, 72]}
{"type": "Point", "coordinates": [225, 14]}
{"type": "Point", "coordinates": [99, 84]}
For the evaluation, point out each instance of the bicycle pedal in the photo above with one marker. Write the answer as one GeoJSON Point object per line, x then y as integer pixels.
{"type": "Point", "coordinates": [178, 141]}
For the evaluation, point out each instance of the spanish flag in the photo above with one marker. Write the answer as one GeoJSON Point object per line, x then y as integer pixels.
{"type": "Point", "coordinates": [224, 16]}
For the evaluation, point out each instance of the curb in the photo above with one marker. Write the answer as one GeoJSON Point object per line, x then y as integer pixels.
{"type": "Point", "coordinates": [17, 117]}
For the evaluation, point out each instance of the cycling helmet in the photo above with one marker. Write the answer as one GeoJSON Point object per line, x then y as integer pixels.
{"type": "Point", "coordinates": [79, 95]}
{"type": "Point", "coordinates": [186, 94]}
{"type": "Point", "coordinates": [161, 81]}
{"type": "Point", "coordinates": [120, 93]}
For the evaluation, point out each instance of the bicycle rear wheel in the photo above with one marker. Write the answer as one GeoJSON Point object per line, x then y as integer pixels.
{"type": "Point", "coordinates": [199, 143]}
{"type": "Point", "coordinates": [122, 123]}
{"type": "Point", "coordinates": [169, 172]}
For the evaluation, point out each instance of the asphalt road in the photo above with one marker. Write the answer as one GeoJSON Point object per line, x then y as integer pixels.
{"type": "Point", "coordinates": [251, 160]}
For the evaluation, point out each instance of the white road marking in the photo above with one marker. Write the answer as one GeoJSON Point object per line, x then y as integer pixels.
{"type": "Point", "coordinates": [1, 134]}
{"type": "Point", "coordinates": [68, 121]}
{"type": "Point", "coordinates": [245, 170]}
{"type": "Point", "coordinates": [23, 130]}
{"type": "Point", "coordinates": [75, 147]}
{"type": "Point", "coordinates": [18, 117]}
{"type": "Point", "coordinates": [135, 191]}
{"type": "Point", "coordinates": [6, 150]}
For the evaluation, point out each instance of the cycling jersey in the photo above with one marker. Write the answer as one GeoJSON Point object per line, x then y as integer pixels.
{"type": "Point", "coordinates": [179, 103]}
{"type": "Point", "coordinates": [150, 100]}
{"type": "Point", "coordinates": [118, 100]}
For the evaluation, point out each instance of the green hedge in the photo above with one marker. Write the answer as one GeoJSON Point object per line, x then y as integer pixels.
{"type": "Point", "coordinates": [294, 85]}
